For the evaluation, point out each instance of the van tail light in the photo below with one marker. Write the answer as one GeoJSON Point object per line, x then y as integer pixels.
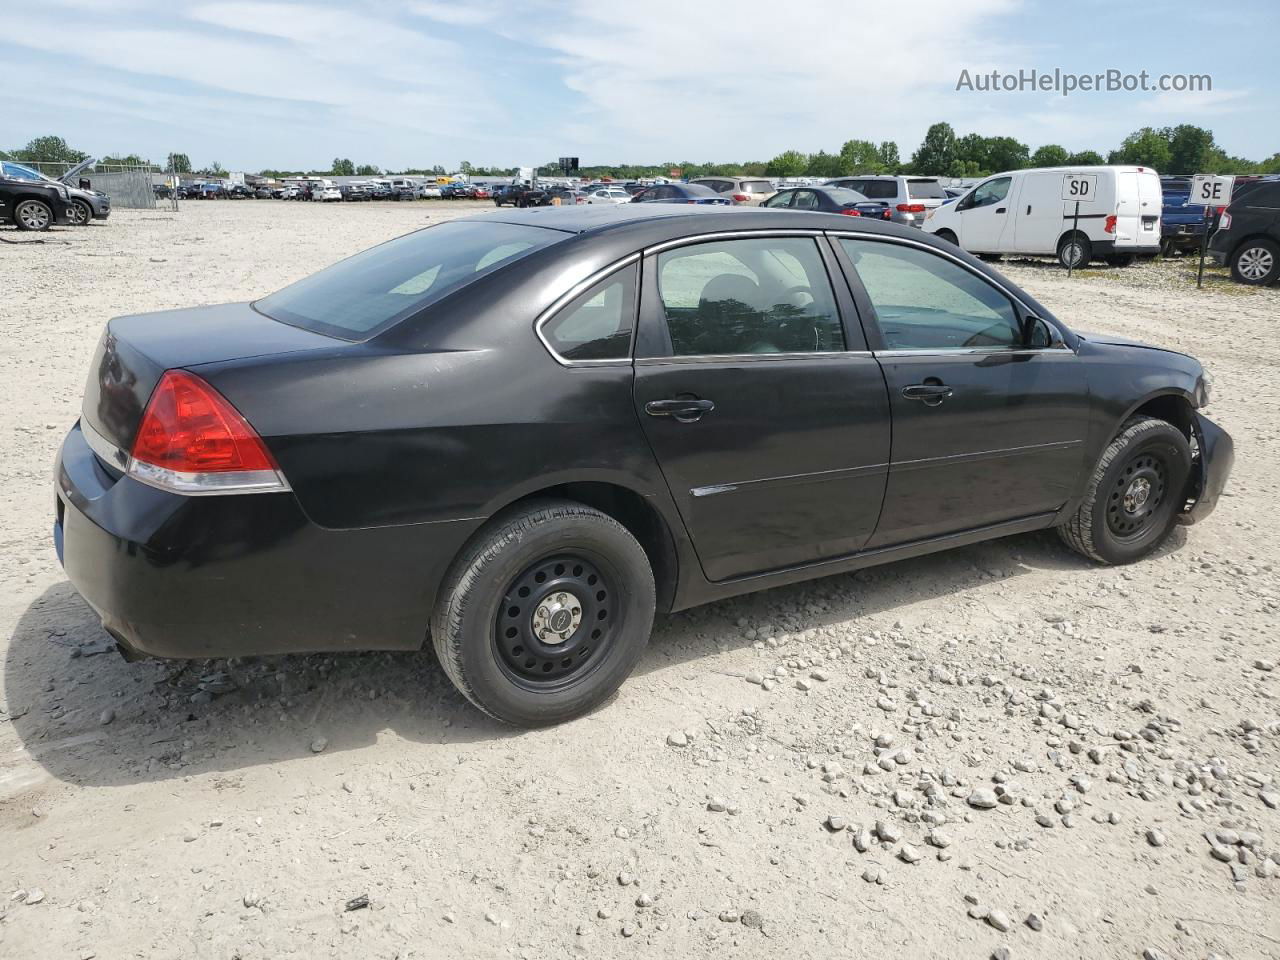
{"type": "Point", "coordinates": [911, 208]}
{"type": "Point", "coordinates": [193, 441]}
{"type": "Point", "coordinates": [1225, 222]}
{"type": "Point", "coordinates": [741, 197]}
{"type": "Point", "coordinates": [1109, 226]}
{"type": "Point", "coordinates": [850, 212]}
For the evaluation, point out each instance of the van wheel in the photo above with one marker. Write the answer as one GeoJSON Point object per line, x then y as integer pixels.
{"type": "Point", "coordinates": [1074, 251]}
{"type": "Point", "coordinates": [32, 215]}
{"type": "Point", "coordinates": [545, 614]}
{"type": "Point", "coordinates": [948, 236]}
{"type": "Point", "coordinates": [1121, 259]}
{"type": "Point", "coordinates": [1135, 494]}
{"type": "Point", "coordinates": [1257, 262]}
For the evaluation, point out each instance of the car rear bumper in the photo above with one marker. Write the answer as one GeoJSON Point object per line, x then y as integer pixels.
{"type": "Point", "coordinates": [218, 576]}
{"type": "Point", "coordinates": [1217, 456]}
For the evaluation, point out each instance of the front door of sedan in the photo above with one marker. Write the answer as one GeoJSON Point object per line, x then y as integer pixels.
{"type": "Point", "coordinates": [768, 417]}
{"type": "Point", "coordinates": [988, 424]}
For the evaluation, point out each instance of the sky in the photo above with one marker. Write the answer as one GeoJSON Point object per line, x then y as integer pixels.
{"type": "Point", "coordinates": [413, 83]}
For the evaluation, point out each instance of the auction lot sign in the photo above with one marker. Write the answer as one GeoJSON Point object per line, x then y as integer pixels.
{"type": "Point", "coordinates": [1211, 190]}
{"type": "Point", "coordinates": [1080, 187]}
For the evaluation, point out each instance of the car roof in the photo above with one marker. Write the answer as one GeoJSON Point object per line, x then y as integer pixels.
{"type": "Point", "coordinates": [657, 222]}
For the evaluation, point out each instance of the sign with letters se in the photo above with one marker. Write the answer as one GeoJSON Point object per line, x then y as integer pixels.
{"type": "Point", "coordinates": [1210, 190]}
{"type": "Point", "coordinates": [1082, 187]}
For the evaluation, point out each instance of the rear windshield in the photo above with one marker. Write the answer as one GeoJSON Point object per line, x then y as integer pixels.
{"type": "Point", "coordinates": [843, 196]}
{"type": "Point", "coordinates": [757, 186]}
{"type": "Point", "coordinates": [365, 294]}
{"type": "Point", "coordinates": [925, 190]}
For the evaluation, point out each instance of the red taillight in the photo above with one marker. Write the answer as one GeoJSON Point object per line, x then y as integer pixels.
{"type": "Point", "coordinates": [1109, 225]}
{"type": "Point", "coordinates": [741, 197]}
{"type": "Point", "coordinates": [850, 212]}
{"type": "Point", "coordinates": [911, 208]}
{"type": "Point", "coordinates": [693, 201]}
{"type": "Point", "coordinates": [192, 439]}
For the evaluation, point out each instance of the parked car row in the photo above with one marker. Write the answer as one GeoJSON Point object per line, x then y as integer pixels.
{"type": "Point", "coordinates": [85, 203]}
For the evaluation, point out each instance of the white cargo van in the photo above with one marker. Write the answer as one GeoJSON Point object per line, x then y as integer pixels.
{"type": "Point", "coordinates": [1022, 212]}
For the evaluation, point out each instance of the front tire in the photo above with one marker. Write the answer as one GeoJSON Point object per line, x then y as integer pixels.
{"type": "Point", "coordinates": [32, 215]}
{"type": "Point", "coordinates": [79, 213]}
{"type": "Point", "coordinates": [545, 613]}
{"type": "Point", "coordinates": [1135, 494]}
{"type": "Point", "coordinates": [1256, 263]}
{"type": "Point", "coordinates": [948, 236]}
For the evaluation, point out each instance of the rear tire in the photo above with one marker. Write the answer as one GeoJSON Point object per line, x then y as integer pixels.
{"type": "Point", "coordinates": [545, 613]}
{"type": "Point", "coordinates": [1074, 251]}
{"type": "Point", "coordinates": [1135, 494]}
{"type": "Point", "coordinates": [1256, 263]}
{"type": "Point", "coordinates": [32, 215]}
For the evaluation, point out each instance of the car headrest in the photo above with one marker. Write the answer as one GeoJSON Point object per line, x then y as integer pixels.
{"type": "Point", "coordinates": [730, 286]}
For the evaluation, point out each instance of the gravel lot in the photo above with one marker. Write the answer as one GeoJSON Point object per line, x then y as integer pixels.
{"type": "Point", "coordinates": [1002, 748]}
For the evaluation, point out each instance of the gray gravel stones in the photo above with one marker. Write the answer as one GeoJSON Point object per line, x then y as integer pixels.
{"type": "Point", "coordinates": [983, 798]}
{"type": "Point", "coordinates": [1156, 838]}
{"type": "Point", "coordinates": [909, 854]}
{"type": "Point", "coordinates": [677, 739]}
{"type": "Point", "coordinates": [318, 745]}
{"type": "Point", "coordinates": [999, 919]}
{"type": "Point", "coordinates": [1034, 921]}
{"type": "Point", "coordinates": [836, 823]}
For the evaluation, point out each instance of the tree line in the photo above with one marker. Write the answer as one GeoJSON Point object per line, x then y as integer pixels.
{"type": "Point", "coordinates": [1182, 149]}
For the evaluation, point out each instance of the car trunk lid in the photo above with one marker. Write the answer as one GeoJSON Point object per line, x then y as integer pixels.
{"type": "Point", "coordinates": [135, 351]}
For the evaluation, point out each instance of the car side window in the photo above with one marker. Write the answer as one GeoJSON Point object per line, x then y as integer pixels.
{"type": "Point", "coordinates": [597, 324]}
{"type": "Point", "coordinates": [805, 200]}
{"type": "Point", "coordinates": [782, 199]}
{"type": "Point", "coordinates": [750, 296]}
{"type": "Point", "coordinates": [993, 191]}
{"type": "Point", "coordinates": [923, 301]}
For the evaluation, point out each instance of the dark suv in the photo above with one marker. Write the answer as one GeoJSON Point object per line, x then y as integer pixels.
{"type": "Point", "coordinates": [34, 204]}
{"type": "Point", "coordinates": [1248, 235]}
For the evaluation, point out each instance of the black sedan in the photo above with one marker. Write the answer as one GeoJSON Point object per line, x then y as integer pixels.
{"type": "Point", "coordinates": [521, 434]}
{"type": "Point", "coordinates": [681, 193]}
{"type": "Point", "coordinates": [850, 203]}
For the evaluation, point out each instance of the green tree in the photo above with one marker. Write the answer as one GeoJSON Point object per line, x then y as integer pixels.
{"type": "Point", "coordinates": [178, 163]}
{"type": "Point", "coordinates": [1006, 153]}
{"type": "Point", "coordinates": [132, 160]}
{"type": "Point", "coordinates": [1050, 155]}
{"type": "Point", "coordinates": [937, 153]}
{"type": "Point", "coordinates": [49, 149]}
{"type": "Point", "coordinates": [975, 149]}
{"type": "Point", "coordinates": [465, 167]}
{"type": "Point", "coordinates": [342, 168]}
{"type": "Point", "coordinates": [860, 156]}
{"type": "Point", "coordinates": [215, 169]}
{"type": "Point", "coordinates": [823, 164]}
{"type": "Point", "coordinates": [890, 162]}
{"type": "Point", "coordinates": [789, 163]}
{"type": "Point", "coordinates": [367, 170]}
{"type": "Point", "coordinates": [1192, 150]}
{"type": "Point", "coordinates": [1145, 147]}
{"type": "Point", "coordinates": [1086, 158]}
{"type": "Point", "coordinates": [754, 168]}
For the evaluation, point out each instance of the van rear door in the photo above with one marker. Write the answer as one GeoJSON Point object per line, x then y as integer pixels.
{"type": "Point", "coordinates": [1151, 204]}
{"type": "Point", "coordinates": [1128, 211]}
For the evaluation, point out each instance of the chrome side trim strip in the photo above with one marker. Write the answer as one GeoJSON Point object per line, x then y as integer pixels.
{"type": "Point", "coordinates": [730, 235]}
{"type": "Point", "coordinates": [104, 448]}
{"type": "Point", "coordinates": [748, 357]}
{"type": "Point", "coordinates": [819, 476]}
{"type": "Point", "coordinates": [998, 453]}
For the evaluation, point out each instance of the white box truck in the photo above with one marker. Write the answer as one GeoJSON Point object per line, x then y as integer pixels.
{"type": "Point", "coordinates": [1025, 212]}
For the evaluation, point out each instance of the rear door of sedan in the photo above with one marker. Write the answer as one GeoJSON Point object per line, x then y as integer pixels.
{"type": "Point", "coordinates": [988, 424]}
{"type": "Point", "coordinates": [754, 387]}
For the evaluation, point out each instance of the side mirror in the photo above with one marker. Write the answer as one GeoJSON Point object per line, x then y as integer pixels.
{"type": "Point", "coordinates": [1040, 333]}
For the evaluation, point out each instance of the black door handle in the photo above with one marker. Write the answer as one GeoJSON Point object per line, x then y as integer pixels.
{"type": "Point", "coordinates": [685, 410]}
{"type": "Point", "coordinates": [1028, 208]}
{"type": "Point", "coordinates": [930, 394]}
{"type": "Point", "coordinates": [1000, 209]}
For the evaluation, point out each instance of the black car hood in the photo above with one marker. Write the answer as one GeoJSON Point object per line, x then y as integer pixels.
{"type": "Point", "coordinates": [1112, 339]}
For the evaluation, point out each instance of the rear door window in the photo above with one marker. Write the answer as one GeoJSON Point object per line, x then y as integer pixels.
{"type": "Point", "coordinates": [877, 189]}
{"type": "Point", "coordinates": [757, 186]}
{"type": "Point", "coordinates": [372, 291]}
{"type": "Point", "coordinates": [753, 296]}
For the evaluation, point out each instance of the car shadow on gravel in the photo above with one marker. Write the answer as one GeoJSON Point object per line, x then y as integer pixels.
{"type": "Point", "coordinates": [92, 719]}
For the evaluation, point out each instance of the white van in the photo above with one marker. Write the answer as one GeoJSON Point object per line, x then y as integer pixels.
{"type": "Point", "coordinates": [1023, 212]}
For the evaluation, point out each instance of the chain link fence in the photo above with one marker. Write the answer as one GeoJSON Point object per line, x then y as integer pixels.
{"type": "Point", "coordinates": [127, 186]}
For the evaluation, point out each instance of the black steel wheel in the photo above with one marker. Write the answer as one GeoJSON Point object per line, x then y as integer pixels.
{"type": "Point", "coordinates": [1136, 492]}
{"type": "Point", "coordinates": [1136, 495]}
{"type": "Point", "coordinates": [553, 624]}
{"type": "Point", "coordinates": [544, 613]}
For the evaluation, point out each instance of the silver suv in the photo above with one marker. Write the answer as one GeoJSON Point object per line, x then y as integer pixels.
{"type": "Point", "coordinates": [742, 190]}
{"type": "Point", "coordinates": [909, 199]}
